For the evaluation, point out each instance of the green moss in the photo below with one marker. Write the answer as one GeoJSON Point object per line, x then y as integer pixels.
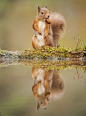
{"type": "Point", "coordinates": [47, 52]}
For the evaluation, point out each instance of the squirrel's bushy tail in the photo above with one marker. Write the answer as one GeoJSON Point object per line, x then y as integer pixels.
{"type": "Point", "coordinates": [58, 25]}
{"type": "Point", "coordinates": [58, 86]}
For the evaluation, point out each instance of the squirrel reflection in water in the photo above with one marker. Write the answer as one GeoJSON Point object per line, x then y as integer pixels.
{"type": "Point", "coordinates": [47, 85]}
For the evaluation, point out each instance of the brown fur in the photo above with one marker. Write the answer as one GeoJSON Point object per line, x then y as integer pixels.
{"type": "Point", "coordinates": [53, 20]}
{"type": "Point", "coordinates": [35, 25]}
{"type": "Point", "coordinates": [58, 25]}
{"type": "Point", "coordinates": [44, 17]}
{"type": "Point", "coordinates": [58, 86]}
{"type": "Point", "coordinates": [35, 42]}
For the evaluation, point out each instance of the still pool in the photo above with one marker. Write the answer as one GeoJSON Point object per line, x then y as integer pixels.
{"type": "Point", "coordinates": [19, 90]}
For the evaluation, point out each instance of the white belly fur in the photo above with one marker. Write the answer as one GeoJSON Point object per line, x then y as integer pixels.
{"type": "Point", "coordinates": [41, 26]}
{"type": "Point", "coordinates": [40, 77]}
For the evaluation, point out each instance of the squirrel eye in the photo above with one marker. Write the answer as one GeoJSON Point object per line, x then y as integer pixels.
{"type": "Point", "coordinates": [42, 13]}
{"type": "Point", "coordinates": [41, 102]}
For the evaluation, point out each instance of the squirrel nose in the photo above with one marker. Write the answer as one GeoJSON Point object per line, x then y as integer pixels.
{"type": "Point", "coordinates": [48, 16]}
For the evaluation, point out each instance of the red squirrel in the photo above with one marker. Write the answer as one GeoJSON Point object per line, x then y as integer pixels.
{"type": "Point", "coordinates": [48, 28]}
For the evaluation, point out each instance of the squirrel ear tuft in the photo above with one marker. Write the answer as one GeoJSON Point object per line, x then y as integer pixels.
{"type": "Point", "coordinates": [45, 5]}
{"type": "Point", "coordinates": [44, 108]}
{"type": "Point", "coordinates": [39, 9]}
{"type": "Point", "coordinates": [38, 105]}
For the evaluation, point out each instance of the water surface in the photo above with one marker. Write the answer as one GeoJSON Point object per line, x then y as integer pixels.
{"type": "Point", "coordinates": [17, 98]}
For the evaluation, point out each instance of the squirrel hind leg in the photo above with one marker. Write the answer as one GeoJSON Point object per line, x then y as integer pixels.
{"type": "Point", "coordinates": [35, 42]}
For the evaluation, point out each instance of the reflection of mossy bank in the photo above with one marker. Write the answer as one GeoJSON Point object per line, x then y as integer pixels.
{"type": "Point", "coordinates": [45, 53]}
{"type": "Point", "coordinates": [46, 64]}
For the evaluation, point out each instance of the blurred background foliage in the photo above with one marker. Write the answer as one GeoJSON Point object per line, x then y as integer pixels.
{"type": "Point", "coordinates": [16, 18]}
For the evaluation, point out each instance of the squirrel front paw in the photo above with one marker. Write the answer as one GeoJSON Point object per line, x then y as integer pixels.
{"type": "Point", "coordinates": [39, 82]}
{"type": "Point", "coordinates": [40, 33]}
